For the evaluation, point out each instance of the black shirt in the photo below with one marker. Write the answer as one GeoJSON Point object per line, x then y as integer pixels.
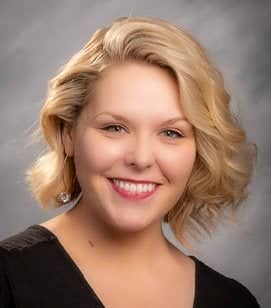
{"type": "Point", "coordinates": [36, 271]}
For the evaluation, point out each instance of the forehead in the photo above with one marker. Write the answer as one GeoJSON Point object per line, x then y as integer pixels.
{"type": "Point", "coordinates": [135, 87]}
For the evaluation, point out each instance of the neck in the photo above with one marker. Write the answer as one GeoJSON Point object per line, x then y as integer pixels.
{"type": "Point", "coordinates": [141, 248]}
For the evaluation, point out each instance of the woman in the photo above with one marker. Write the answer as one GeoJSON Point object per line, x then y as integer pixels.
{"type": "Point", "coordinates": [140, 131]}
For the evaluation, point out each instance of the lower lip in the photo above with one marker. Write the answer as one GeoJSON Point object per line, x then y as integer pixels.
{"type": "Point", "coordinates": [132, 195]}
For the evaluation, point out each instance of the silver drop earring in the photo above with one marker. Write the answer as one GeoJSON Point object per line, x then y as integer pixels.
{"type": "Point", "coordinates": [64, 196]}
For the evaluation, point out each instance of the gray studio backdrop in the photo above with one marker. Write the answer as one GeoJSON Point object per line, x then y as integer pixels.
{"type": "Point", "coordinates": [37, 37]}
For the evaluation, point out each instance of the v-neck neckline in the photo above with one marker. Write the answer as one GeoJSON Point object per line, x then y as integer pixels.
{"type": "Point", "coordinates": [84, 280]}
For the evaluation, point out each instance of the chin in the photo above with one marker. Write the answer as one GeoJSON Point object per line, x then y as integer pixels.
{"type": "Point", "coordinates": [130, 225]}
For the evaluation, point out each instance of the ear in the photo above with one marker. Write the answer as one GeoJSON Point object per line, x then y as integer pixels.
{"type": "Point", "coordinates": [68, 139]}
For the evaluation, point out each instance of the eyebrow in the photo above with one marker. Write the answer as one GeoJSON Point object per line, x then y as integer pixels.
{"type": "Point", "coordinates": [121, 118]}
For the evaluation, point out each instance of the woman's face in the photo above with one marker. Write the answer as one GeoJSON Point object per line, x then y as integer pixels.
{"type": "Point", "coordinates": [134, 129]}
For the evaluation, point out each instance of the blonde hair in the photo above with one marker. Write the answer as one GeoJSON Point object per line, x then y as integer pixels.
{"type": "Point", "coordinates": [224, 160]}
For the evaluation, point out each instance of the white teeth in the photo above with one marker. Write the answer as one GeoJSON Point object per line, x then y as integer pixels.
{"type": "Point", "coordinates": [135, 188]}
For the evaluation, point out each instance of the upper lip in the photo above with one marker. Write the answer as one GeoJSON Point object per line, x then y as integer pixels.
{"type": "Point", "coordinates": [136, 181]}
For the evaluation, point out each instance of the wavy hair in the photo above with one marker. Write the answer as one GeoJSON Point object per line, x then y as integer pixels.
{"type": "Point", "coordinates": [224, 160]}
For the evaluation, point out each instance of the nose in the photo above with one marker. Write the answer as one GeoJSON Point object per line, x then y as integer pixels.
{"type": "Point", "coordinates": [140, 153]}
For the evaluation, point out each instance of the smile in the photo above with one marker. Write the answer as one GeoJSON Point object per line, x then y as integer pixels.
{"type": "Point", "coordinates": [130, 190]}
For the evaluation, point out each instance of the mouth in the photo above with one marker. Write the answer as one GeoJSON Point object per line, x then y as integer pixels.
{"type": "Point", "coordinates": [132, 190]}
{"type": "Point", "coordinates": [135, 181]}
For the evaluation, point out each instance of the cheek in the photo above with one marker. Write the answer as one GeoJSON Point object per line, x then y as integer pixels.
{"type": "Point", "coordinates": [178, 163]}
{"type": "Point", "coordinates": [96, 153]}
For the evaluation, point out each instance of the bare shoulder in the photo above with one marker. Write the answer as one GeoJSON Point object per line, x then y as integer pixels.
{"type": "Point", "coordinates": [58, 226]}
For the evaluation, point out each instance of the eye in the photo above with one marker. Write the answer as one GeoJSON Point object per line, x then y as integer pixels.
{"type": "Point", "coordinates": [173, 134]}
{"type": "Point", "coordinates": [113, 128]}
{"type": "Point", "coordinates": [117, 129]}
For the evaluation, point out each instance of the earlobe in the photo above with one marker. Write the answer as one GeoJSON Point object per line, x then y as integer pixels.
{"type": "Point", "coordinates": [67, 139]}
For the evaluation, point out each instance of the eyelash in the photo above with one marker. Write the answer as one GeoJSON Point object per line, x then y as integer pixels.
{"type": "Point", "coordinates": [106, 128]}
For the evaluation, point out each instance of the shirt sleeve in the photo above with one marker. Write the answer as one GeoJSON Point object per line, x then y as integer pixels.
{"type": "Point", "coordinates": [243, 296]}
{"type": "Point", "coordinates": [6, 299]}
